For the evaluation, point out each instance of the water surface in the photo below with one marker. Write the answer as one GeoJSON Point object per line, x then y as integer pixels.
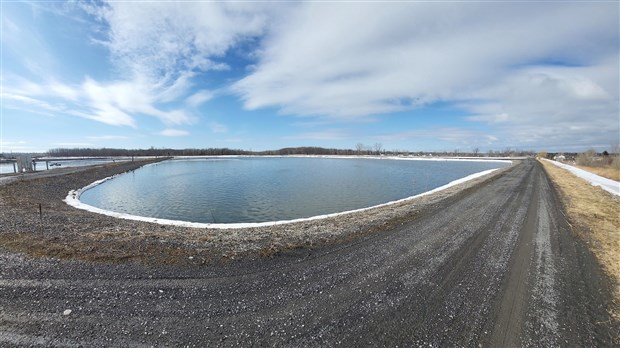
{"type": "Point", "coordinates": [236, 190]}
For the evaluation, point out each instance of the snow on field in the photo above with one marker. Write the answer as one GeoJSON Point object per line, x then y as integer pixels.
{"type": "Point", "coordinates": [608, 185]}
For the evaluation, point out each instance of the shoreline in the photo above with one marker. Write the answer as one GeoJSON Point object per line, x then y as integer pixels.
{"type": "Point", "coordinates": [61, 231]}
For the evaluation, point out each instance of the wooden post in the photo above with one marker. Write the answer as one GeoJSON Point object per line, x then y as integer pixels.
{"type": "Point", "coordinates": [47, 165]}
{"type": "Point", "coordinates": [40, 213]}
{"type": "Point", "coordinates": [14, 167]}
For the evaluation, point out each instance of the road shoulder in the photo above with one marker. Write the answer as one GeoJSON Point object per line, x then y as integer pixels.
{"type": "Point", "coordinates": [593, 217]}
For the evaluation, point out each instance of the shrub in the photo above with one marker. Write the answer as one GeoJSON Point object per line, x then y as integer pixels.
{"type": "Point", "coordinates": [587, 158]}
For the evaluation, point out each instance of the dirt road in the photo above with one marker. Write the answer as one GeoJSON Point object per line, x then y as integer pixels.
{"type": "Point", "coordinates": [496, 265]}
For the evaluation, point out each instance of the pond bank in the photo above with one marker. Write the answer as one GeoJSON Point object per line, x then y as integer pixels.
{"type": "Point", "coordinates": [35, 220]}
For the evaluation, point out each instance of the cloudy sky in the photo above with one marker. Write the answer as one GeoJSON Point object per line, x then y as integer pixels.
{"type": "Point", "coordinates": [266, 75]}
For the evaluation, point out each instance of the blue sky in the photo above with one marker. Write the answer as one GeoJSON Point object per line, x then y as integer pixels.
{"type": "Point", "coordinates": [416, 76]}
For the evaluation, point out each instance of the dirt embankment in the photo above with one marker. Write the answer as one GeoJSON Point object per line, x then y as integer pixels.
{"type": "Point", "coordinates": [594, 216]}
{"type": "Point", "coordinates": [62, 231]}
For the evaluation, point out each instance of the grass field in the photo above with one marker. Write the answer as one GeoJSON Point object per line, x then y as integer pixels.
{"type": "Point", "coordinates": [595, 216]}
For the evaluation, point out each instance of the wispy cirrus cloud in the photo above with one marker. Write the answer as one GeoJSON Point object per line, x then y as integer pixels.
{"type": "Point", "coordinates": [199, 98]}
{"type": "Point", "coordinates": [159, 49]}
{"type": "Point", "coordinates": [115, 103]}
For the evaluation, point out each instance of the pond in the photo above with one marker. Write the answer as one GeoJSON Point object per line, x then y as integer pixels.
{"type": "Point", "coordinates": [259, 189]}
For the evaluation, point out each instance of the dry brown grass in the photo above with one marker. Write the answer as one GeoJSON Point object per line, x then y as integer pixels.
{"type": "Point", "coordinates": [595, 216]}
{"type": "Point", "coordinates": [606, 172]}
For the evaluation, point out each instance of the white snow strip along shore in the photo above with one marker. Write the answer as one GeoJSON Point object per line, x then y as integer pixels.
{"type": "Point", "coordinates": [608, 185]}
{"type": "Point", "coordinates": [73, 199]}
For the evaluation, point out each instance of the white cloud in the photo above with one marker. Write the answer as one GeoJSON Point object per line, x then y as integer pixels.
{"type": "Point", "coordinates": [547, 105]}
{"type": "Point", "coordinates": [489, 118]}
{"type": "Point", "coordinates": [199, 98]}
{"type": "Point", "coordinates": [163, 41]}
{"type": "Point", "coordinates": [32, 102]}
{"type": "Point", "coordinates": [373, 58]}
{"type": "Point", "coordinates": [114, 103]}
{"type": "Point", "coordinates": [158, 48]}
{"type": "Point", "coordinates": [379, 54]}
{"type": "Point", "coordinates": [174, 133]}
{"type": "Point", "coordinates": [534, 72]}
{"type": "Point", "coordinates": [63, 91]}
{"type": "Point", "coordinates": [134, 97]}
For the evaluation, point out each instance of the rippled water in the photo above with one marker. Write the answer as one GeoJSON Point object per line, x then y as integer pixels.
{"type": "Point", "coordinates": [267, 189]}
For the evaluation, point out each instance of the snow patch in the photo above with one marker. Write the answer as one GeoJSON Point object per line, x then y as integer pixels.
{"type": "Point", "coordinates": [608, 185]}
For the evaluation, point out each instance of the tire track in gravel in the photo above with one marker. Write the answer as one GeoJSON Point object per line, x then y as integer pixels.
{"type": "Point", "coordinates": [495, 265]}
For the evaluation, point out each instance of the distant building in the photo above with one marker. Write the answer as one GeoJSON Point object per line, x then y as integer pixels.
{"type": "Point", "coordinates": [559, 158]}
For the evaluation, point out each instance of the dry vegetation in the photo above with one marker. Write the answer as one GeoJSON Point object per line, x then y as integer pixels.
{"type": "Point", "coordinates": [594, 216]}
{"type": "Point", "coordinates": [607, 165]}
{"type": "Point", "coordinates": [606, 172]}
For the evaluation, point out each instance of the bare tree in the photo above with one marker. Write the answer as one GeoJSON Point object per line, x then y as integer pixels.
{"type": "Point", "coordinates": [377, 148]}
{"type": "Point", "coordinates": [359, 147]}
{"type": "Point", "coordinates": [475, 151]}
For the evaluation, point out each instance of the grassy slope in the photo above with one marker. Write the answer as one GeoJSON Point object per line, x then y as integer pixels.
{"type": "Point", "coordinates": [594, 215]}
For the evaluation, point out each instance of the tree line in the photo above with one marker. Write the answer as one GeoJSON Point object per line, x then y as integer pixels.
{"type": "Point", "coordinates": [110, 152]}
{"type": "Point", "coordinates": [360, 149]}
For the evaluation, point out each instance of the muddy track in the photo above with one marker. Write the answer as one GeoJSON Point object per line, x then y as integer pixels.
{"type": "Point", "coordinates": [497, 265]}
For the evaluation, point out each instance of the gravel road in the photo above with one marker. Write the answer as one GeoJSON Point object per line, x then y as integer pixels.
{"type": "Point", "coordinates": [494, 266]}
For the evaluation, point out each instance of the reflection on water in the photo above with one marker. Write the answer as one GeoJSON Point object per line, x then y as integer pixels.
{"type": "Point", "coordinates": [268, 189]}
